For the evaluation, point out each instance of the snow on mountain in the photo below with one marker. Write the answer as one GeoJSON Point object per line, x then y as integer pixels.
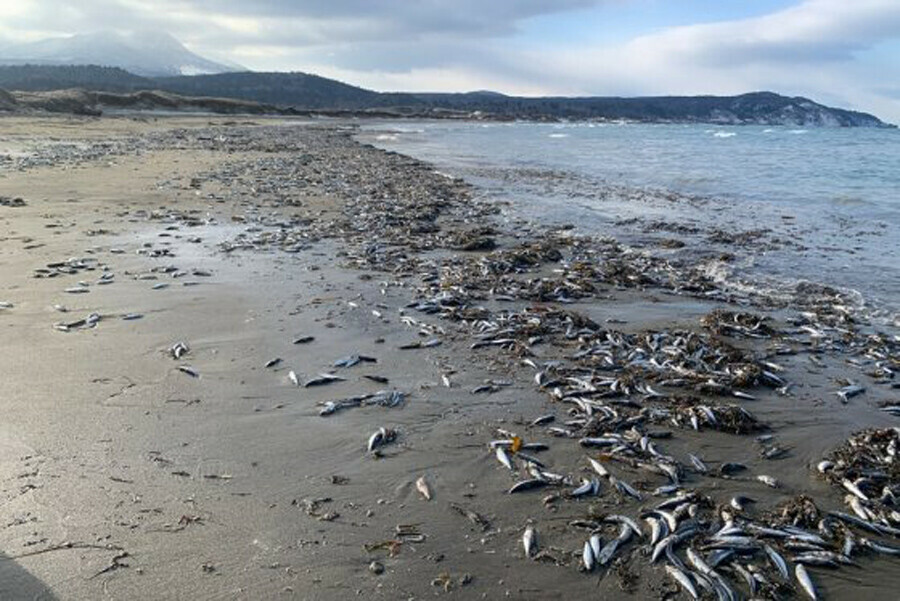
{"type": "Point", "coordinates": [147, 53]}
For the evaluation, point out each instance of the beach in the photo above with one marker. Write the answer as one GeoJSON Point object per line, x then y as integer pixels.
{"type": "Point", "coordinates": [276, 251]}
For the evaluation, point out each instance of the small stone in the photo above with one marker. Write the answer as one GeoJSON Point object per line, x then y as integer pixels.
{"type": "Point", "coordinates": [376, 568]}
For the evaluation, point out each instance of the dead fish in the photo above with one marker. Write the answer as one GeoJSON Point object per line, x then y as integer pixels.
{"type": "Point", "coordinates": [304, 339]}
{"type": "Point", "coordinates": [423, 488]}
{"type": "Point", "coordinates": [273, 362]}
{"type": "Point", "coordinates": [848, 392]}
{"type": "Point", "coordinates": [535, 446]}
{"type": "Point", "coordinates": [292, 376]}
{"type": "Point", "coordinates": [625, 521]}
{"type": "Point", "coordinates": [778, 561]}
{"type": "Point", "coordinates": [727, 469]}
{"type": "Point", "coordinates": [445, 380]}
{"type": "Point", "coordinates": [351, 360]}
{"type": "Point", "coordinates": [658, 529]}
{"type": "Point", "coordinates": [503, 458]}
{"type": "Point", "coordinates": [853, 488]}
{"type": "Point", "coordinates": [682, 579]}
{"type": "Point", "coordinates": [529, 541]}
{"type": "Point", "coordinates": [374, 378]}
{"type": "Point", "coordinates": [382, 437]}
{"type": "Point", "coordinates": [625, 488]}
{"type": "Point", "coordinates": [588, 487]}
{"type": "Point", "coordinates": [740, 502]}
{"type": "Point", "coordinates": [698, 463]}
{"type": "Point", "coordinates": [879, 547]}
{"type": "Point", "coordinates": [189, 371]}
{"type": "Point", "coordinates": [773, 452]}
{"type": "Point", "coordinates": [805, 581]}
{"type": "Point", "coordinates": [606, 554]}
{"type": "Point", "coordinates": [529, 484]}
{"type": "Point", "coordinates": [544, 419]}
{"type": "Point", "coordinates": [77, 290]}
{"type": "Point", "coordinates": [768, 480]}
{"type": "Point", "coordinates": [824, 466]}
{"type": "Point", "coordinates": [530, 459]}
{"type": "Point", "coordinates": [587, 557]}
{"type": "Point", "coordinates": [598, 467]}
{"type": "Point", "coordinates": [178, 350]}
{"type": "Point", "coordinates": [132, 316]}
{"type": "Point", "coordinates": [323, 379]}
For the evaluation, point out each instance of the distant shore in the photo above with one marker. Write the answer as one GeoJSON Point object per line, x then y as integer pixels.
{"type": "Point", "coordinates": [232, 467]}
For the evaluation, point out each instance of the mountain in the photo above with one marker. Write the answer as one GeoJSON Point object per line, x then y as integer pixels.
{"type": "Point", "coordinates": [146, 53]}
{"type": "Point", "coordinates": [311, 93]}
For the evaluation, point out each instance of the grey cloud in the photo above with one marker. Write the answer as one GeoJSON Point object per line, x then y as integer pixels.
{"type": "Point", "coordinates": [475, 17]}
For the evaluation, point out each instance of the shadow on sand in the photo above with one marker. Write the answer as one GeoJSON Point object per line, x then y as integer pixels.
{"type": "Point", "coordinates": [17, 584]}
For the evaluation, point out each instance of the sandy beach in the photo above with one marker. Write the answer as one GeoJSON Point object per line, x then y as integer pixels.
{"type": "Point", "coordinates": [277, 251]}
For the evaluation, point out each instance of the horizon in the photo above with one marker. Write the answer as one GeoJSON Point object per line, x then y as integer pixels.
{"type": "Point", "coordinates": [836, 54]}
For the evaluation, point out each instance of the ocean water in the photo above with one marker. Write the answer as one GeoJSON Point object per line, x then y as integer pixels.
{"type": "Point", "coordinates": [792, 204]}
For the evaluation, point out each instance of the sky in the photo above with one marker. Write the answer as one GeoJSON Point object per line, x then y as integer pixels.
{"type": "Point", "coordinates": [839, 52]}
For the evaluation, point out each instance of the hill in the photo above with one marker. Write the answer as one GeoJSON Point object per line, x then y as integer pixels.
{"type": "Point", "coordinates": [311, 93]}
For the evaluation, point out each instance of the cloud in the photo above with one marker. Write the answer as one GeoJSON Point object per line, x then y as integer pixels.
{"type": "Point", "coordinates": [815, 48]}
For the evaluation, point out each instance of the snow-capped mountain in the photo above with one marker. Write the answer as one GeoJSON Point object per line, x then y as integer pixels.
{"type": "Point", "coordinates": [147, 53]}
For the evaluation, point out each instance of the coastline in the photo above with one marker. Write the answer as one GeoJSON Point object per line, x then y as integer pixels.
{"type": "Point", "coordinates": [214, 486]}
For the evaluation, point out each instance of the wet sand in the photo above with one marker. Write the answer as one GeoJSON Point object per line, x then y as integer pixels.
{"type": "Point", "coordinates": [124, 477]}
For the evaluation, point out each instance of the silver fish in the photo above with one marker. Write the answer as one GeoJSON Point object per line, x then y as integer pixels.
{"type": "Point", "coordinates": [658, 529]}
{"type": "Point", "coordinates": [625, 488]}
{"type": "Point", "coordinates": [626, 521]}
{"type": "Point", "coordinates": [768, 480]}
{"type": "Point", "coordinates": [380, 438]}
{"type": "Point", "coordinates": [587, 557]}
{"type": "Point", "coordinates": [778, 561]}
{"type": "Point", "coordinates": [527, 485]}
{"type": "Point", "coordinates": [805, 582]}
{"type": "Point", "coordinates": [189, 371]}
{"type": "Point", "coordinates": [503, 458]}
{"type": "Point", "coordinates": [588, 487]}
{"type": "Point", "coordinates": [698, 463]}
{"type": "Point", "coordinates": [853, 488]}
{"type": "Point", "coordinates": [598, 467]}
{"type": "Point", "coordinates": [323, 379]}
{"type": "Point", "coordinates": [529, 541]}
{"type": "Point", "coordinates": [824, 466]}
{"type": "Point", "coordinates": [596, 544]}
{"type": "Point", "coordinates": [682, 579]}
{"type": "Point", "coordinates": [612, 546]}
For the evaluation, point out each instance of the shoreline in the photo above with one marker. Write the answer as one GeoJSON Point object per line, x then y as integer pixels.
{"type": "Point", "coordinates": [216, 486]}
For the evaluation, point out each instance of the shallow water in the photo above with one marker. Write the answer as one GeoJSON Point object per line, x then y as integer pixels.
{"type": "Point", "coordinates": [827, 200]}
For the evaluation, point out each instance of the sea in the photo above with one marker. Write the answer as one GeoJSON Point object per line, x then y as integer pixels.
{"type": "Point", "coordinates": [789, 204]}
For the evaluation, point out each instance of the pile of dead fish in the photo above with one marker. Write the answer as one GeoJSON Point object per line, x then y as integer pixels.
{"type": "Point", "coordinates": [867, 469]}
{"type": "Point", "coordinates": [73, 266]}
{"type": "Point", "coordinates": [727, 554]}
